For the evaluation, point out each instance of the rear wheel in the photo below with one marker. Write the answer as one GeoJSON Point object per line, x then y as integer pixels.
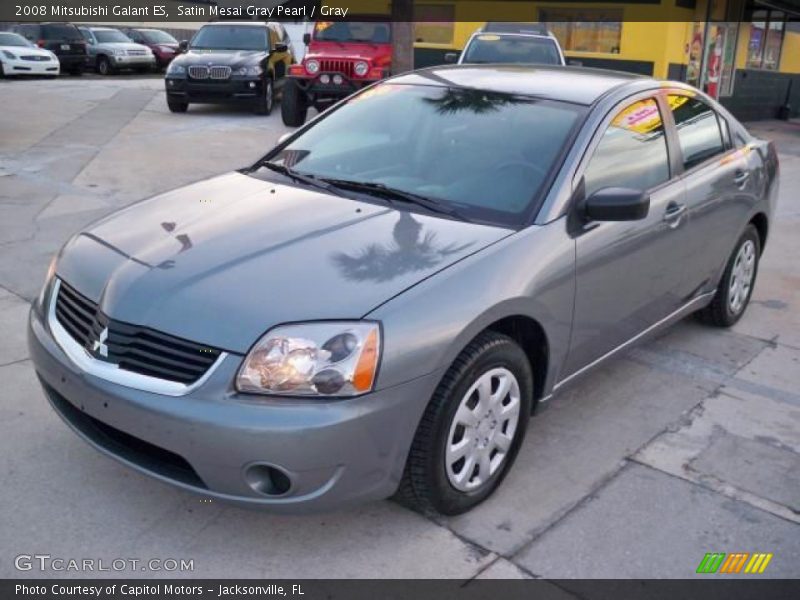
{"type": "Point", "coordinates": [472, 428]}
{"type": "Point", "coordinates": [294, 107]}
{"type": "Point", "coordinates": [736, 286]}
{"type": "Point", "coordinates": [177, 106]}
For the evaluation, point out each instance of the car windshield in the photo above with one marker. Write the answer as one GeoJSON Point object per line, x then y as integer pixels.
{"type": "Point", "coordinates": [341, 31]}
{"type": "Point", "coordinates": [13, 39]}
{"type": "Point", "coordinates": [491, 48]}
{"type": "Point", "coordinates": [155, 36]}
{"type": "Point", "coordinates": [110, 36]}
{"type": "Point", "coordinates": [482, 154]}
{"type": "Point", "coordinates": [228, 37]}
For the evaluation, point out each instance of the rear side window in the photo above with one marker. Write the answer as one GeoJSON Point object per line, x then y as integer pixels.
{"type": "Point", "coordinates": [698, 128]}
{"type": "Point", "coordinates": [632, 152]}
{"type": "Point", "coordinates": [60, 31]}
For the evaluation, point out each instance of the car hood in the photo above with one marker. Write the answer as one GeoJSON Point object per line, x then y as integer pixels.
{"type": "Point", "coordinates": [121, 46]}
{"type": "Point", "coordinates": [26, 51]}
{"type": "Point", "coordinates": [230, 58]}
{"type": "Point", "coordinates": [328, 50]}
{"type": "Point", "coordinates": [222, 261]}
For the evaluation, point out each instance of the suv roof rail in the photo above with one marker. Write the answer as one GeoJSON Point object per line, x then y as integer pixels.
{"type": "Point", "coordinates": [503, 27]}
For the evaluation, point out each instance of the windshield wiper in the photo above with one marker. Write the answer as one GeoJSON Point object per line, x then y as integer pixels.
{"type": "Point", "coordinates": [391, 194]}
{"type": "Point", "coordinates": [302, 178]}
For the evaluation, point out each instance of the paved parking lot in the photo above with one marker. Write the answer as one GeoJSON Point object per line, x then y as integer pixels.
{"type": "Point", "coordinates": [687, 445]}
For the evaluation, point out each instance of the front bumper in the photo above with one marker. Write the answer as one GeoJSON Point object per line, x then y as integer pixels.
{"type": "Point", "coordinates": [29, 67]}
{"type": "Point", "coordinates": [320, 92]}
{"type": "Point", "coordinates": [133, 62]}
{"type": "Point", "coordinates": [334, 453]}
{"type": "Point", "coordinates": [215, 92]}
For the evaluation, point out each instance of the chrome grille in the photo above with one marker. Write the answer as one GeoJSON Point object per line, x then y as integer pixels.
{"type": "Point", "coordinates": [36, 58]}
{"type": "Point", "coordinates": [137, 52]}
{"type": "Point", "coordinates": [131, 347]}
{"type": "Point", "coordinates": [212, 72]}
{"type": "Point", "coordinates": [345, 67]}
{"type": "Point", "coordinates": [220, 72]}
{"type": "Point", "coordinates": [198, 72]}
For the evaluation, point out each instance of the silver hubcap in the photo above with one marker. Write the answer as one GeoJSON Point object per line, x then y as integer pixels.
{"type": "Point", "coordinates": [744, 269]}
{"type": "Point", "coordinates": [482, 430]}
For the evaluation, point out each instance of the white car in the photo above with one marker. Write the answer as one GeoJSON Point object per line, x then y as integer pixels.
{"type": "Point", "coordinates": [516, 43]}
{"type": "Point", "coordinates": [19, 57]}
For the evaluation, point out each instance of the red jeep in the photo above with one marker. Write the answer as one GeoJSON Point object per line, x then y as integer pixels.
{"type": "Point", "coordinates": [341, 57]}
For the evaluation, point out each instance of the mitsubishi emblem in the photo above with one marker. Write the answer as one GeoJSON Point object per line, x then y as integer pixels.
{"type": "Point", "coordinates": [99, 346]}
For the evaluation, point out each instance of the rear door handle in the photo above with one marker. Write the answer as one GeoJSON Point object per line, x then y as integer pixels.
{"type": "Point", "coordinates": [674, 213]}
{"type": "Point", "coordinates": [740, 178]}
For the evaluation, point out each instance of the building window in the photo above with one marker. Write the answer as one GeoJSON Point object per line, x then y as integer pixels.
{"type": "Point", "coordinates": [434, 23]}
{"type": "Point", "coordinates": [766, 39]}
{"type": "Point", "coordinates": [585, 30]}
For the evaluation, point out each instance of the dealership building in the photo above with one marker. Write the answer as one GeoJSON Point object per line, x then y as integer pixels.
{"type": "Point", "coordinates": [746, 53]}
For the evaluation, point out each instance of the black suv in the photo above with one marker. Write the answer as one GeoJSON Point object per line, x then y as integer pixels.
{"type": "Point", "coordinates": [63, 39]}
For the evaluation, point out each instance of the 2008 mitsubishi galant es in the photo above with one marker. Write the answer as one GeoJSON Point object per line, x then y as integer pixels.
{"type": "Point", "coordinates": [377, 305]}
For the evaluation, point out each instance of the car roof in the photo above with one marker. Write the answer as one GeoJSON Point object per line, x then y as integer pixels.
{"type": "Point", "coordinates": [251, 23]}
{"type": "Point", "coordinates": [578, 85]}
{"type": "Point", "coordinates": [518, 28]}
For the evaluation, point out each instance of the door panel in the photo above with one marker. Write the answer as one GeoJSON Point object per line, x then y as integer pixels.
{"type": "Point", "coordinates": [629, 275]}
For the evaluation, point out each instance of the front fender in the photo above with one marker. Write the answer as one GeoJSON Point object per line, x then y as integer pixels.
{"type": "Point", "coordinates": [530, 273]}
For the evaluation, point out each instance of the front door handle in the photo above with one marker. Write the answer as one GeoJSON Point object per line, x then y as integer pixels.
{"type": "Point", "coordinates": [674, 214]}
{"type": "Point", "coordinates": [740, 178]}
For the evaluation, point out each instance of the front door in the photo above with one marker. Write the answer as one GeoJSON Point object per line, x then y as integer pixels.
{"type": "Point", "coordinates": [629, 275]}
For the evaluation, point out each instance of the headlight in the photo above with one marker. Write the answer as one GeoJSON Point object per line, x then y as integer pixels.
{"type": "Point", "coordinates": [254, 71]}
{"type": "Point", "coordinates": [312, 66]}
{"type": "Point", "coordinates": [8, 54]}
{"type": "Point", "coordinates": [361, 68]}
{"type": "Point", "coordinates": [166, 49]}
{"type": "Point", "coordinates": [176, 69]}
{"type": "Point", "coordinates": [48, 279]}
{"type": "Point", "coordinates": [332, 358]}
{"type": "Point", "coordinates": [119, 52]}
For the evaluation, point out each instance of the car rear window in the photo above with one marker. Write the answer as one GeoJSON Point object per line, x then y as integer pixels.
{"type": "Point", "coordinates": [698, 130]}
{"type": "Point", "coordinates": [60, 31]}
{"type": "Point", "coordinates": [491, 48]}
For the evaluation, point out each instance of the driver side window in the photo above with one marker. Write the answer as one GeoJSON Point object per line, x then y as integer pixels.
{"type": "Point", "coordinates": [632, 152]}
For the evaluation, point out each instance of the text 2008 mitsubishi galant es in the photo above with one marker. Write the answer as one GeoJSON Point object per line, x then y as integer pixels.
{"type": "Point", "coordinates": [377, 306]}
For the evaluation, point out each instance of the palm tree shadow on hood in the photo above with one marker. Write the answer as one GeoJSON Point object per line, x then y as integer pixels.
{"type": "Point", "coordinates": [410, 251]}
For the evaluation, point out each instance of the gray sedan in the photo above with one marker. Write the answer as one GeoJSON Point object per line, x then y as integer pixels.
{"type": "Point", "coordinates": [378, 305]}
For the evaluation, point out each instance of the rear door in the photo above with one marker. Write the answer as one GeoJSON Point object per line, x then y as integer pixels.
{"type": "Point", "coordinates": [719, 187]}
{"type": "Point", "coordinates": [629, 275]}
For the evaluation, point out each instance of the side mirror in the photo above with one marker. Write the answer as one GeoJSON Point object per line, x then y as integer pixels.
{"type": "Point", "coordinates": [617, 204]}
{"type": "Point", "coordinates": [281, 47]}
{"type": "Point", "coordinates": [451, 58]}
{"type": "Point", "coordinates": [306, 38]}
{"type": "Point", "coordinates": [183, 46]}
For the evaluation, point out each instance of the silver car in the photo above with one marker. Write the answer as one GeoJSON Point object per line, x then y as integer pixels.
{"type": "Point", "coordinates": [110, 50]}
{"type": "Point", "coordinates": [378, 305]}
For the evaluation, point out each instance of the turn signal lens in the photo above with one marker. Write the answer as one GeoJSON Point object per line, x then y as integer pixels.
{"type": "Point", "coordinates": [367, 365]}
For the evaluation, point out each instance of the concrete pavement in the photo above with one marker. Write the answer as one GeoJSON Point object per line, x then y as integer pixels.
{"type": "Point", "coordinates": [686, 445]}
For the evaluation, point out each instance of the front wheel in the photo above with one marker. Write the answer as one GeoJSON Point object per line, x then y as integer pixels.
{"type": "Point", "coordinates": [177, 106]}
{"type": "Point", "coordinates": [267, 100]}
{"type": "Point", "coordinates": [736, 286]}
{"type": "Point", "coordinates": [294, 106]}
{"type": "Point", "coordinates": [104, 66]}
{"type": "Point", "coordinates": [472, 428]}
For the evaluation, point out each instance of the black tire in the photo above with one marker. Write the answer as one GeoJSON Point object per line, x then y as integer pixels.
{"type": "Point", "coordinates": [722, 312]}
{"type": "Point", "coordinates": [266, 103]}
{"type": "Point", "coordinates": [2, 71]}
{"type": "Point", "coordinates": [425, 486]}
{"type": "Point", "coordinates": [104, 66]}
{"type": "Point", "coordinates": [177, 106]}
{"type": "Point", "coordinates": [294, 106]}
